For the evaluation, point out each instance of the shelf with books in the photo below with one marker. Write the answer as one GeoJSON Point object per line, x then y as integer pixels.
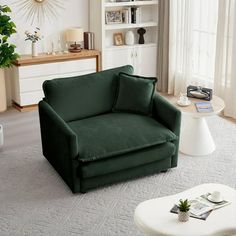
{"type": "Point", "coordinates": [131, 3]}
{"type": "Point", "coordinates": [130, 26]}
{"type": "Point", "coordinates": [111, 21]}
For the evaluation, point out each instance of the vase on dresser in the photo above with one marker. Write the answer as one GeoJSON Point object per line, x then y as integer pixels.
{"type": "Point", "coordinates": [34, 49]}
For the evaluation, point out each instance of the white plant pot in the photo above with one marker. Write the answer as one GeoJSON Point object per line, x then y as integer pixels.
{"type": "Point", "coordinates": [34, 49]}
{"type": "Point", "coordinates": [3, 99]}
{"type": "Point", "coordinates": [129, 38]}
{"type": "Point", "coordinates": [1, 136]}
{"type": "Point", "coordinates": [183, 216]}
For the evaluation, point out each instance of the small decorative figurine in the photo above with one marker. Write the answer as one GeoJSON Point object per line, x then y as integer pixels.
{"type": "Point", "coordinates": [141, 33]}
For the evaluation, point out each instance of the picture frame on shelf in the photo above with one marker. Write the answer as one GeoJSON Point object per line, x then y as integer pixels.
{"type": "Point", "coordinates": [114, 17]}
{"type": "Point", "coordinates": [118, 39]}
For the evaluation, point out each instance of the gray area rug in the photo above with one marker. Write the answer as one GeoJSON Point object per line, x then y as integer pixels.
{"type": "Point", "coordinates": [35, 201]}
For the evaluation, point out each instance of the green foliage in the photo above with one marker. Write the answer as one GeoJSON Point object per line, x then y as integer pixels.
{"type": "Point", "coordinates": [184, 206]}
{"type": "Point", "coordinates": [7, 28]}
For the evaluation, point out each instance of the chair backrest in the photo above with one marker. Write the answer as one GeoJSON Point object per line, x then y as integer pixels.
{"type": "Point", "coordinates": [83, 96]}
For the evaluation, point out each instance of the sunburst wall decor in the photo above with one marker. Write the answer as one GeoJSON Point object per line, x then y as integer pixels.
{"type": "Point", "coordinates": [36, 11]}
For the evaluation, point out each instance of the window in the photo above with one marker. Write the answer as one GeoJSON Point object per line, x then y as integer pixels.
{"type": "Point", "coordinates": [205, 16]}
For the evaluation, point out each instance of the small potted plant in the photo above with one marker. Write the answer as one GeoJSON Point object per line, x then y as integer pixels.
{"type": "Point", "coordinates": [183, 210]}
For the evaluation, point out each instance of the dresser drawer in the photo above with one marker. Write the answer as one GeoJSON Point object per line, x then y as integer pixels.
{"type": "Point", "coordinates": [56, 68]}
{"type": "Point", "coordinates": [38, 70]}
{"type": "Point", "coordinates": [79, 65]}
{"type": "Point", "coordinates": [30, 98]}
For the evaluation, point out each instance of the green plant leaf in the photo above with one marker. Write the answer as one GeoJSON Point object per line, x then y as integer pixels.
{"type": "Point", "coordinates": [184, 205]}
{"type": "Point", "coordinates": [7, 28]}
{"type": "Point", "coordinates": [6, 9]}
{"type": "Point", "coordinates": [4, 38]}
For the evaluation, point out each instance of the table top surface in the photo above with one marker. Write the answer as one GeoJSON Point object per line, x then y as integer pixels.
{"type": "Point", "coordinates": [25, 60]}
{"type": "Point", "coordinates": [216, 102]}
{"type": "Point", "coordinates": [154, 218]}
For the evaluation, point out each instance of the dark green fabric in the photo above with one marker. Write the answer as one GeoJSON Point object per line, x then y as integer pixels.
{"type": "Point", "coordinates": [83, 96]}
{"type": "Point", "coordinates": [108, 148]}
{"type": "Point", "coordinates": [127, 161]}
{"type": "Point", "coordinates": [117, 133]}
{"type": "Point", "coordinates": [170, 116]}
{"type": "Point", "coordinates": [134, 94]}
{"type": "Point", "coordinates": [151, 168]}
{"type": "Point", "coordinates": [59, 144]}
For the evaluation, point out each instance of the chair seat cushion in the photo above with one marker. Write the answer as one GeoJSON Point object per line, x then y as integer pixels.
{"type": "Point", "coordinates": [129, 161]}
{"type": "Point", "coordinates": [117, 133]}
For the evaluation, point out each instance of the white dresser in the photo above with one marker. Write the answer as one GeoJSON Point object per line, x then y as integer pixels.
{"type": "Point", "coordinates": [28, 74]}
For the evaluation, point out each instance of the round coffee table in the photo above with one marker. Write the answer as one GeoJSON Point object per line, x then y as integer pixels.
{"type": "Point", "coordinates": [153, 217]}
{"type": "Point", "coordinates": [195, 138]}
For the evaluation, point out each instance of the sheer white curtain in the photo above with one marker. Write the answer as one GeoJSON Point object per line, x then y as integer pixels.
{"type": "Point", "coordinates": [192, 43]}
{"type": "Point", "coordinates": [225, 61]}
{"type": "Point", "coordinates": [180, 45]}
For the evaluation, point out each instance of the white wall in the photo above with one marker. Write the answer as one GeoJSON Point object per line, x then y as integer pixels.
{"type": "Point", "coordinates": [75, 14]}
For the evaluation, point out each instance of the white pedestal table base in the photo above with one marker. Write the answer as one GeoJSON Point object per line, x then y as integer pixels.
{"type": "Point", "coordinates": [196, 139]}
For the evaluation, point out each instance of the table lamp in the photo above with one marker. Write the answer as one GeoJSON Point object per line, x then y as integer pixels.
{"type": "Point", "coordinates": [74, 35]}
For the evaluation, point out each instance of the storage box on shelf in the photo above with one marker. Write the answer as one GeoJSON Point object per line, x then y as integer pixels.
{"type": "Point", "coordinates": [28, 74]}
{"type": "Point", "coordinates": [141, 56]}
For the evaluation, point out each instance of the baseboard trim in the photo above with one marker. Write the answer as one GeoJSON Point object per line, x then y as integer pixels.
{"type": "Point", "coordinates": [24, 108]}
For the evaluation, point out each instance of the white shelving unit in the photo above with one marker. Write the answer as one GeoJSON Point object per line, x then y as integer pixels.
{"type": "Point", "coordinates": [141, 56]}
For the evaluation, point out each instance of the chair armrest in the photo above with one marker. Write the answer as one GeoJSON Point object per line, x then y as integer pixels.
{"type": "Point", "coordinates": [166, 114]}
{"type": "Point", "coordinates": [59, 145]}
{"type": "Point", "coordinates": [56, 135]}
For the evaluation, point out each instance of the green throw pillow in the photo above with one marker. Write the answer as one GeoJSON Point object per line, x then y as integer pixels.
{"type": "Point", "coordinates": [134, 94]}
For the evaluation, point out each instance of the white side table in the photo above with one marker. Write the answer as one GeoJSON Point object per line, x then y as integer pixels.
{"type": "Point", "coordinates": [195, 138]}
{"type": "Point", "coordinates": [153, 217]}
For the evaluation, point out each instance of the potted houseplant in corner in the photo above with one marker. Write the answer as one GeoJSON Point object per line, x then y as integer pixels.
{"type": "Point", "coordinates": [183, 210]}
{"type": "Point", "coordinates": [7, 50]}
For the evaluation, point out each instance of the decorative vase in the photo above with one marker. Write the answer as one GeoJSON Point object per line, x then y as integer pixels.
{"type": "Point", "coordinates": [129, 38]}
{"type": "Point", "coordinates": [3, 99]}
{"type": "Point", "coordinates": [183, 216]}
{"type": "Point", "coordinates": [34, 49]}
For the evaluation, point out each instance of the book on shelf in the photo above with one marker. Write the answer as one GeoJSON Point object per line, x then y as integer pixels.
{"type": "Point", "coordinates": [126, 15]}
{"type": "Point", "coordinates": [201, 207]}
{"type": "Point", "coordinates": [135, 15]}
{"type": "Point", "coordinates": [204, 107]}
{"type": "Point", "coordinates": [138, 15]}
{"type": "Point", "coordinates": [131, 15]}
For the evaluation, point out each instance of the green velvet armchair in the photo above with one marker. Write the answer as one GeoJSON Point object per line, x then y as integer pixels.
{"type": "Point", "coordinates": [90, 146]}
